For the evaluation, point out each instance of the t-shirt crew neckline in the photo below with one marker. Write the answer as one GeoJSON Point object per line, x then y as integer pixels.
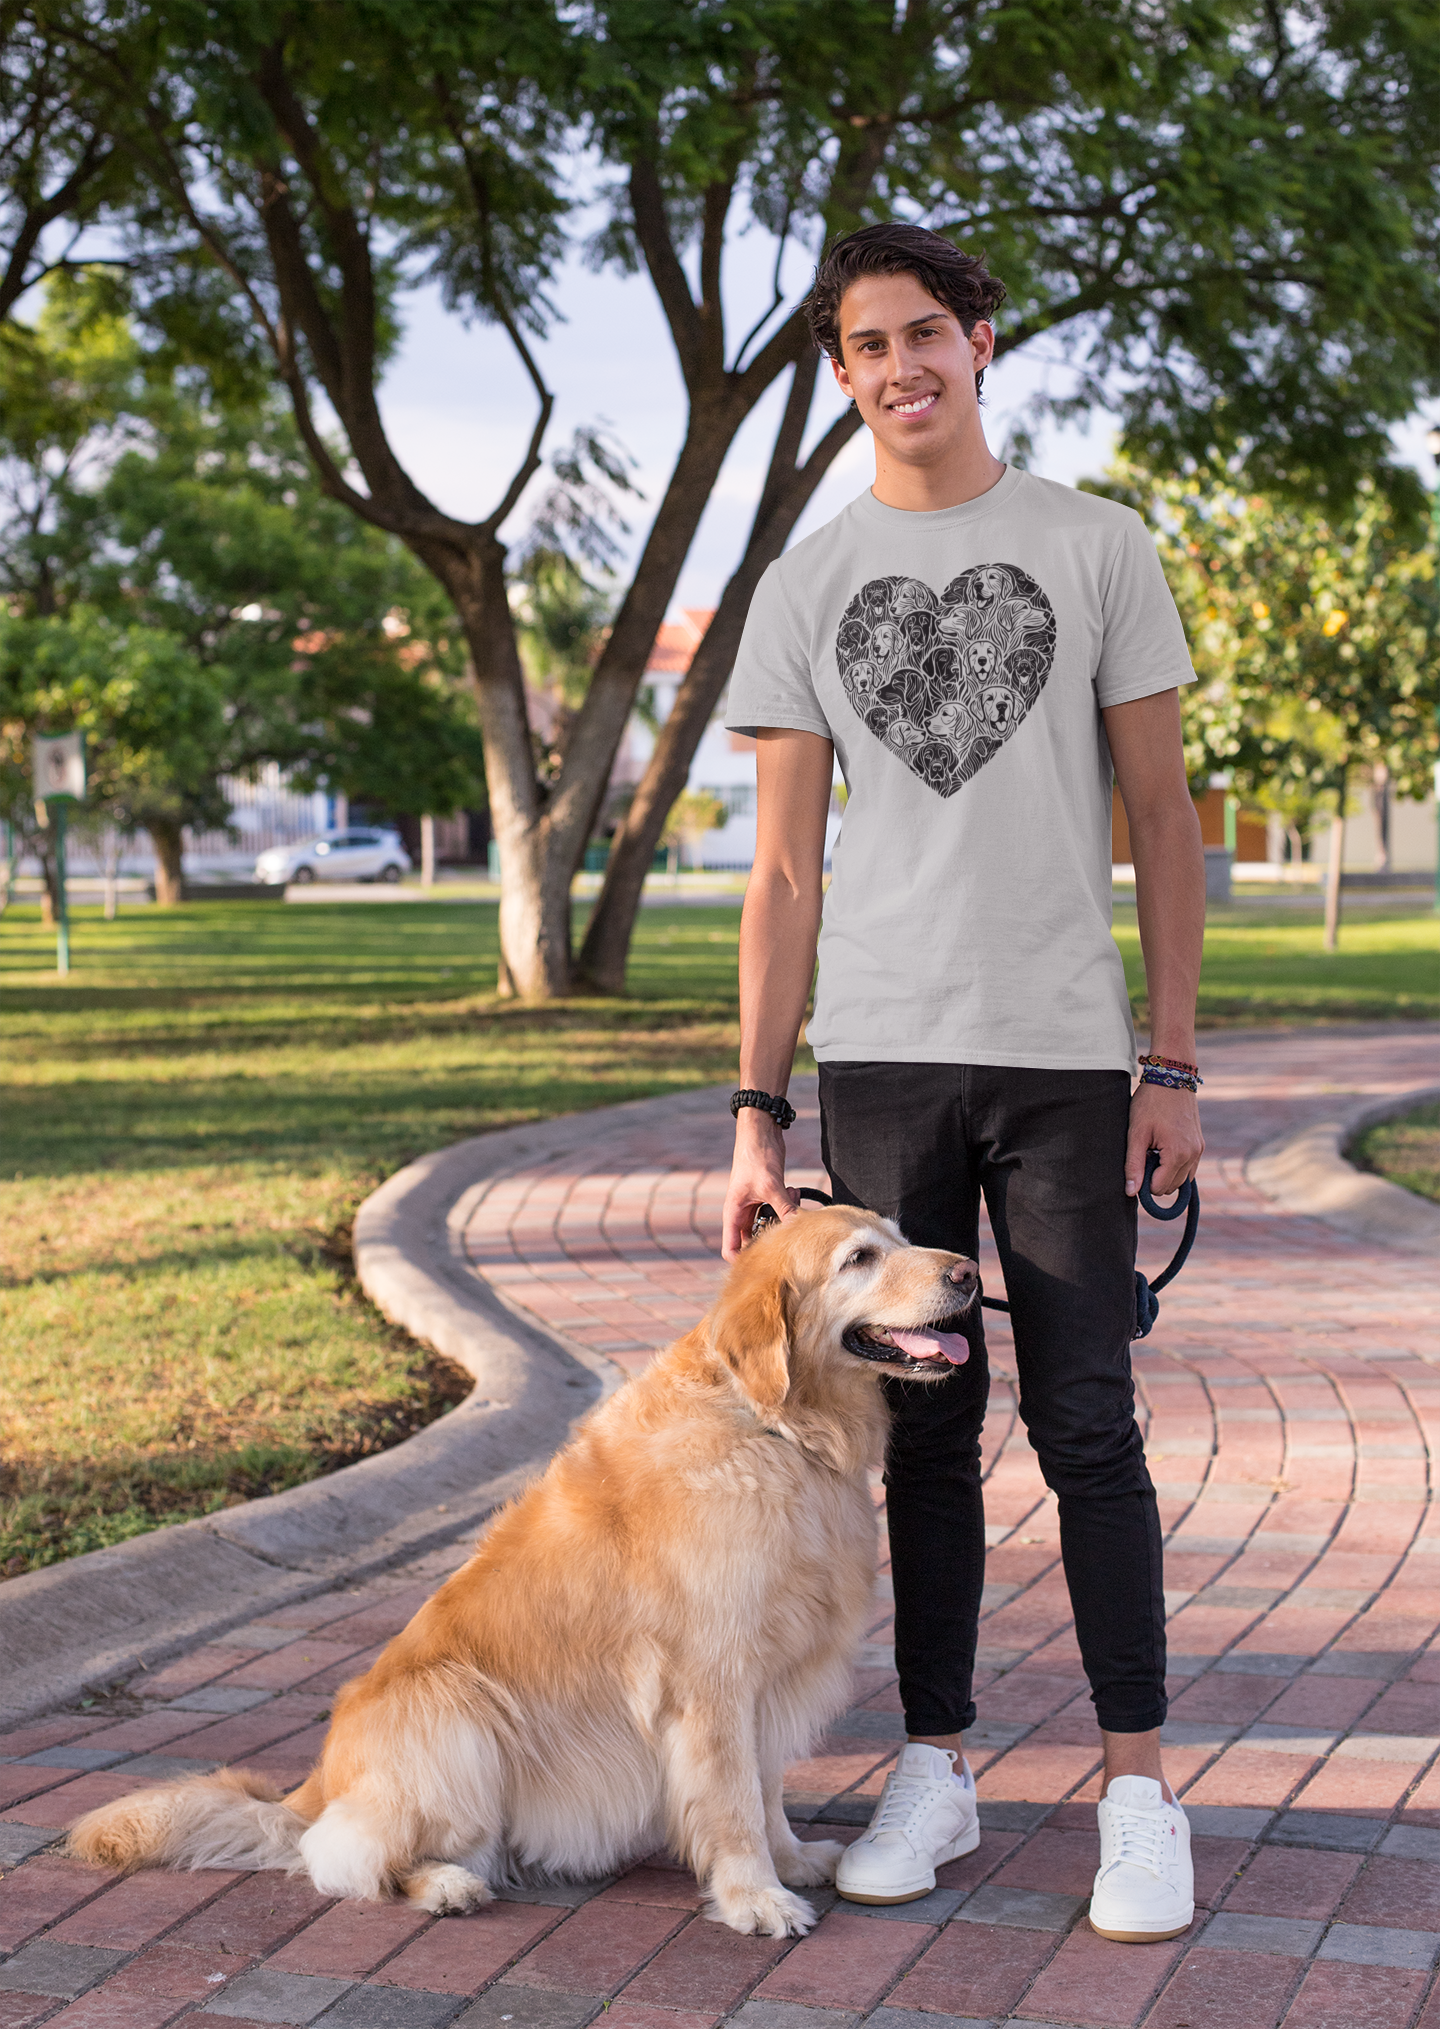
{"type": "Point", "coordinates": [919, 519]}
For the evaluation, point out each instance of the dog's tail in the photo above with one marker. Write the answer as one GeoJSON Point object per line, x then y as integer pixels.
{"type": "Point", "coordinates": [227, 1820]}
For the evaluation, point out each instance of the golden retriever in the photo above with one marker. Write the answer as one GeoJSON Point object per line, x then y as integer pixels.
{"type": "Point", "coordinates": [642, 1641]}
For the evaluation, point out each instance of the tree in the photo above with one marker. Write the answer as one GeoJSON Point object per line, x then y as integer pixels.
{"type": "Point", "coordinates": [1205, 206]}
{"type": "Point", "coordinates": [180, 589]}
{"type": "Point", "coordinates": [1313, 636]}
{"type": "Point", "coordinates": [1227, 212]}
{"type": "Point", "coordinates": [71, 125]}
{"type": "Point", "coordinates": [152, 716]}
{"type": "Point", "coordinates": [692, 814]}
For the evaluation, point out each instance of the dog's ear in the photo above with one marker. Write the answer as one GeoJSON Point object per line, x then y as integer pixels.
{"type": "Point", "coordinates": [750, 1331]}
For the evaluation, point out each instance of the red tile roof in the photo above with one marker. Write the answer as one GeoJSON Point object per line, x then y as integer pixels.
{"type": "Point", "coordinates": [677, 641]}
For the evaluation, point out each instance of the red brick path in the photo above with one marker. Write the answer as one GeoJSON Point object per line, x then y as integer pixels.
{"type": "Point", "coordinates": [1292, 1396]}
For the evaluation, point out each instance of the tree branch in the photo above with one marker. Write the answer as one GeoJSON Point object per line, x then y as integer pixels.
{"type": "Point", "coordinates": [15, 281]}
{"type": "Point", "coordinates": [712, 255]}
{"type": "Point", "coordinates": [355, 343]}
{"type": "Point", "coordinates": [500, 310]}
{"type": "Point", "coordinates": [778, 352]}
{"type": "Point", "coordinates": [788, 489]}
{"type": "Point", "coordinates": [777, 294]}
{"type": "Point", "coordinates": [652, 230]}
{"type": "Point", "coordinates": [785, 453]}
{"type": "Point", "coordinates": [530, 463]}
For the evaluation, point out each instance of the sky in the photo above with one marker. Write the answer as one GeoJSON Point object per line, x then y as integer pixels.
{"type": "Point", "coordinates": [460, 408]}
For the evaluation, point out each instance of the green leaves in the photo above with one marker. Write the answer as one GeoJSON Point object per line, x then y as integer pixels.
{"type": "Point", "coordinates": [153, 716]}
{"type": "Point", "coordinates": [1313, 633]}
{"type": "Point", "coordinates": [182, 590]}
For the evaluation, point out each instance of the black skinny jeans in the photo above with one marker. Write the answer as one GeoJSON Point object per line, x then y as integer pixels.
{"type": "Point", "coordinates": [919, 1143]}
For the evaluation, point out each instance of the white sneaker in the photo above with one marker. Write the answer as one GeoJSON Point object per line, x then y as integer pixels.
{"type": "Point", "coordinates": [1145, 1886]}
{"type": "Point", "coordinates": [927, 1815]}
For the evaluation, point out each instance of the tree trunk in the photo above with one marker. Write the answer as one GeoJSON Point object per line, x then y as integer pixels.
{"type": "Point", "coordinates": [715, 418]}
{"type": "Point", "coordinates": [606, 947]}
{"type": "Point", "coordinates": [788, 488]}
{"type": "Point", "coordinates": [166, 836]}
{"type": "Point", "coordinates": [427, 852]}
{"type": "Point", "coordinates": [112, 868]}
{"type": "Point", "coordinates": [538, 855]}
{"type": "Point", "coordinates": [43, 847]}
{"type": "Point", "coordinates": [1333, 871]}
{"type": "Point", "coordinates": [542, 834]}
{"type": "Point", "coordinates": [1380, 804]}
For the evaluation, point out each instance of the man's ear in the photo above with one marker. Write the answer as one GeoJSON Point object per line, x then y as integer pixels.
{"type": "Point", "coordinates": [750, 1331]}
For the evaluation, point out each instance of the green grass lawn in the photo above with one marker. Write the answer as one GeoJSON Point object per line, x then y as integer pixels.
{"type": "Point", "coordinates": [1268, 965]}
{"type": "Point", "coordinates": [190, 1122]}
{"type": "Point", "coordinates": [191, 1119]}
{"type": "Point", "coordinates": [1407, 1151]}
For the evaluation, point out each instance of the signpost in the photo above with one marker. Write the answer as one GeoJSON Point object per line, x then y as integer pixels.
{"type": "Point", "coordinates": [59, 782]}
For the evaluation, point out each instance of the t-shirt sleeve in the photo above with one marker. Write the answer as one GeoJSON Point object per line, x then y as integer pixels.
{"type": "Point", "coordinates": [772, 683]}
{"type": "Point", "coordinates": [1144, 648]}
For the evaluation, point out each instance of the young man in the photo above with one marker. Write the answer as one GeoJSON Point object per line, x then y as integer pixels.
{"type": "Point", "coordinates": [984, 651]}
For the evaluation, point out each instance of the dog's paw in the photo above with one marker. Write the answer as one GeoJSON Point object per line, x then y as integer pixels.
{"type": "Point", "coordinates": [773, 1912]}
{"type": "Point", "coordinates": [446, 1890]}
{"type": "Point", "coordinates": [812, 1863]}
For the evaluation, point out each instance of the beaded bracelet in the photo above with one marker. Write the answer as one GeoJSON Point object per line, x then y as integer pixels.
{"type": "Point", "coordinates": [1172, 1064]}
{"type": "Point", "coordinates": [1177, 1081]}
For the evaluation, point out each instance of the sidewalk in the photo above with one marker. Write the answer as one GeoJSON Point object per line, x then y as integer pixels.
{"type": "Point", "coordinates": [1291, 1391]}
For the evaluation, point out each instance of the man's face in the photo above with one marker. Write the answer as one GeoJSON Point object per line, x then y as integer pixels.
{"type": "Point", "coordinates": [908, 366]}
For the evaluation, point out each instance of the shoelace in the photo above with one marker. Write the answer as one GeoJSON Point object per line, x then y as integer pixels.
{"type": "Point", "coordinates": [1141, 1838]}
{"type": "Point", "coordinates": [906, 1798]}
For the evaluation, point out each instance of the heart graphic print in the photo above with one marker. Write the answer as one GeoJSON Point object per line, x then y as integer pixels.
{"type": "Point", "coordinates": [944, 682]}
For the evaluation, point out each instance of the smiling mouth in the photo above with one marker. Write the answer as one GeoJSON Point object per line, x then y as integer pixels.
{"type": "Point", "coordinates": [916, 405]}
{"type": "Point", "coordinates": [918, 1347]}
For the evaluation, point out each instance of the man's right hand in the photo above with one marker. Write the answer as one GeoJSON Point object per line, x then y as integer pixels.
{"type": "Point", "coordinates": [757, 1177]}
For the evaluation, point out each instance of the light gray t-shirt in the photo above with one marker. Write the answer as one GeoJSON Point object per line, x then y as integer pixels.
{"type": "Point", "coordinates": [959, 661]}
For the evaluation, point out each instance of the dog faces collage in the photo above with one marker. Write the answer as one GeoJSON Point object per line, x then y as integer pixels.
{"type": "Point", "coordinates": [943, 681]}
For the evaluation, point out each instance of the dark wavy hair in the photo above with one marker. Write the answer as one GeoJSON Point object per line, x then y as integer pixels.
{"type": "Point", "coordinates": [960, 281]}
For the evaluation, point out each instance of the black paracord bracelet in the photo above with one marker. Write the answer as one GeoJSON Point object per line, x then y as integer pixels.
{"type": "Point", "coordinates": [780, 1110]}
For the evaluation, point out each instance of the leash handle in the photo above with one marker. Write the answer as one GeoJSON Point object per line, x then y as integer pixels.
{"type": "Point", "coordinates": [1147, 1198]}
{"type": "Point", "coordinates": [766, 1215]}
{"type": "Point", "coordinates": [1187, 1202]}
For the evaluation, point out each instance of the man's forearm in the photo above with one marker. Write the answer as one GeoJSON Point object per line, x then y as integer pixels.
{"type": "Point", "coordinates": [1170, 903]}
{"type": "Point", "coordinates": [778, 933]}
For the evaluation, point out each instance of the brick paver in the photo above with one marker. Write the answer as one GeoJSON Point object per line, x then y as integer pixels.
{"type": "Point", "coordinates": [1291, 1399]}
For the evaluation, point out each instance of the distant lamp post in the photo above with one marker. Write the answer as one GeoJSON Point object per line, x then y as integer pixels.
{"type": "Point", "coordinates": [59, 782]}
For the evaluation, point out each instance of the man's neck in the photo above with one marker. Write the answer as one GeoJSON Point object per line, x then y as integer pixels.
{"type": "Point", "coordinates": [968, 470]}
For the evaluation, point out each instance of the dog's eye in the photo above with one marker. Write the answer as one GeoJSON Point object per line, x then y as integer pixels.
{"type": "Point", "coordinates": [861, 1258]}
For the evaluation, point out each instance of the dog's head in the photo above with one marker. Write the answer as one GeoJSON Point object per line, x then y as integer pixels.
{"type": "Point", "coordinates": [828, 1296]}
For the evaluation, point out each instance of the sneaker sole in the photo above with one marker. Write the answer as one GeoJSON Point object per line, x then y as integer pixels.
{"type": "Point", "coordinates": [955, 1852]}
{"type": "Point", "coordinates": [1141, 1936]}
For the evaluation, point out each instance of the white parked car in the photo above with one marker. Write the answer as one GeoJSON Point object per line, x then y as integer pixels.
{"type": "Point", "coordinates": [336, 856]}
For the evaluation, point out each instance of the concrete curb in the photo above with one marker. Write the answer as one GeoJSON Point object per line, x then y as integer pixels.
{"type": "Point", "coordinates": [97, 1619]}
{"type": "Point", "coordinates": [1307, 1172]}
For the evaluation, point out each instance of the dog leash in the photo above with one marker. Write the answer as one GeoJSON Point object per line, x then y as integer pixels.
{"type": "Point", "coordinates": [1147, 1293]}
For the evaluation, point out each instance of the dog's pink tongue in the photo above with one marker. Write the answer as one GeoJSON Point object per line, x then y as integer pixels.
{"type": "Point", "coordinates": [928, 1345]}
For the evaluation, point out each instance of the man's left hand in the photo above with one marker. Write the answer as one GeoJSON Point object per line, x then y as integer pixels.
{"type": "Point", "coordinates": [1163, 1117]}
